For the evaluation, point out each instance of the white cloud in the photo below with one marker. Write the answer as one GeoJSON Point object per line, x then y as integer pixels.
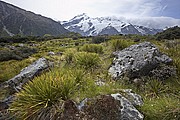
{"type": "Point", "coordinates": [154, 22]}
{"type": "Point", "coordinates": [67, 9]}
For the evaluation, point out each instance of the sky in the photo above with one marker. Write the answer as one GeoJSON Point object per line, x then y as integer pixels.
{"type": "Point", "coordinates": [66, 9]}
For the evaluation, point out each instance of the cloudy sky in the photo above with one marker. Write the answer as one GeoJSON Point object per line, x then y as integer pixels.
{"type": "Point", "coordinates": [67, 9]}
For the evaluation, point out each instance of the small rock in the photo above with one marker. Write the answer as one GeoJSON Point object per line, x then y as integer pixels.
{"type": "Point", "coordinates": [100, 83]}
{"type": "Point", "coordinates": [21, 45]}
{"type": "Point", "coordinates": [51, 53]}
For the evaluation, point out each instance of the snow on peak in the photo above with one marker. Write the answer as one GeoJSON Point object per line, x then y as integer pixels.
{"type": "Point", "coordinates": [88, 26]}
{"type": "Point", "coordinates": [80, 16]}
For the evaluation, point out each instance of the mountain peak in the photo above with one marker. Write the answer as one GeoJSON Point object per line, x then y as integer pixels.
{"type": "Point", "coordinates": [80, 16]}
{"type": "Point", "coordinates": [88, 26]}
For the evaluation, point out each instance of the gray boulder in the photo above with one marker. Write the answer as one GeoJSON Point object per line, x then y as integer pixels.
{"type": "Point", "coordinates": [26, 74]}
{"type": "Point", "coordinates": [137, 60]}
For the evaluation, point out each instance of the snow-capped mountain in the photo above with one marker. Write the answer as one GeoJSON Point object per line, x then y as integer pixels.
{"type": "Point", "coordinates": [88, 26]}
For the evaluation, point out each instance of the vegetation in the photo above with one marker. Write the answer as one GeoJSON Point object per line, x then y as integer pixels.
{"type": "Point", "coordinates": [99, 39]}
{"type": "Point", "coordinates": [79, 64]}
{"type": "Point", "coordinates": [17, 53]}
{"type": "Point", "coordinates": [9, 69]}
{"type": "Point", "coordinates": [47, 91]}
{"type": "Point", "coordinates": [94, 48]}
{"type": "Point", "coordinates": [87, 60]}
{"type": "Point", "coordinates": [169, 34]}
{"type": "Point", "coordinates": [120, 44]}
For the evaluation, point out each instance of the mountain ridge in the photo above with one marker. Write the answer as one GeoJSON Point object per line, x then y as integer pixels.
{"type": "Point", "coordinates": [88, 26]}
{"type": "Point", "coordinates": [15, 20]}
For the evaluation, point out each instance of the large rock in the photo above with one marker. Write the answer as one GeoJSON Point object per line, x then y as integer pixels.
{"type": "Point", "coordinates": [26, 74]}
{"type": "Point", "coordinates": [104, 107]}
{"type": "Point", "coordinates": [137, 60]}
{"type": "Point", "coordinates": [15, 84]}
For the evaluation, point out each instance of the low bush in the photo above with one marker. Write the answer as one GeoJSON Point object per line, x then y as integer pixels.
{"type": "Point", "coordinates": [17, 54]}
{"type": "Point", "coordinates": [99, 39]}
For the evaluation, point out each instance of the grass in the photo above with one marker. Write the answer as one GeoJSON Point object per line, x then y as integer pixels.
{"type": "Point", "coordinates": [120, 44]}
{"type": "Point", "coordinates": [94, 48]}
{"type": "Point", "coordinates": [9, 69]}
{"type": "Point", "coordinates": [87, 60]}
{"type": "Point", "coordinates": [164, 108]}
{"type": "Point", "coordinates": [46, 91]}
{"type": "Point", "coordinates": [76, 73]}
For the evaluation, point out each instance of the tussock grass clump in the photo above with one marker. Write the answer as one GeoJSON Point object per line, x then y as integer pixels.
{"type": "Point", "coordinates": [120, 44]}
{"type": "Point", "coordinates": [87, 60]}
{"type": "Point", "coordinates": [45, 92]}
{"type": "Point", "coordinates": [94, 48]}
{"type": "Point", "coordinates": [70, 55]}
{"type": "Point", "coordinates": [154, 88]}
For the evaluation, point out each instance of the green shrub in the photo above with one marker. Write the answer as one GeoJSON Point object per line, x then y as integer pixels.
{"type": "Point", "coordinates": [87, 60]}
{"type": "Point", "coordinates": [17, 54]}
{"type": "Point", "coordinates": [99, 39]}
{"type": "Point", "coordinates": [94, 48]}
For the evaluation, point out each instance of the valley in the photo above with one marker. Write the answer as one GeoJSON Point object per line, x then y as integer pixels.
{"type": "Point", "coordinates": [88, 68]}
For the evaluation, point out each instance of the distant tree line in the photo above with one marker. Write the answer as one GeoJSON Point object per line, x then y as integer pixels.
{"type": "Point", "coordinates": [23, 39]}
{"type": "Point", "coordinates": [17, 54]}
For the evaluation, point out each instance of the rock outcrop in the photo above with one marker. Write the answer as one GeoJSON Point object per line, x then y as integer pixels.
{"type": "Point", "coordinates": [26, 74]}
{"type": "Point", "coordinates": [104, 107]}
{"type": "Point", "coordinates": [127, 110]}
{"type": "Point", "coordinates": [15, 84]}
{"type": "Point", "coordinates": [137, 60]}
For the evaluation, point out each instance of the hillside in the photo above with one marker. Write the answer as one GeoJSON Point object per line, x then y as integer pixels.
{"type": "Point", "coordinates": [14, 20]}
{"type": "Point", "coordinates": [169, 34]}
{"type": "Point", "coordinates": [88, 26]}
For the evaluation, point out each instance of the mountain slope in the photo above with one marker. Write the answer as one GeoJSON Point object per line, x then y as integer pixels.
{"type": "Point", "coordinates": [87, 26]}
{"type": "Point", "coordinates": [14, 20]}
